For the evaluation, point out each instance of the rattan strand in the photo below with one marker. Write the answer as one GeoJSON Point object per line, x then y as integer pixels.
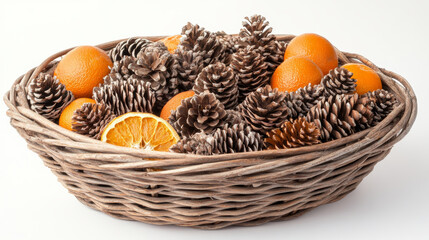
{"type": "Point", "coordinates": [210, 192]}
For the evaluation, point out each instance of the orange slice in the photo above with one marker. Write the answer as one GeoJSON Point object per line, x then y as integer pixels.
{"type": "Point", "coordinates": [140, 130]}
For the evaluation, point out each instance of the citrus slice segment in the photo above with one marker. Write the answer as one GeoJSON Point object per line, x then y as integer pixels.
{"type": "Point", "coordinates": [141, 131]}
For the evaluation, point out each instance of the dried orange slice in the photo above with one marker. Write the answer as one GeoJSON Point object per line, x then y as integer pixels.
{"type": "Point", "coordinates": [140, 130]}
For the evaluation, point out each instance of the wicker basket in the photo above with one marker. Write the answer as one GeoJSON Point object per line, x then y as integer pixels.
{"type": "Point", "coordinates": [210, 192]}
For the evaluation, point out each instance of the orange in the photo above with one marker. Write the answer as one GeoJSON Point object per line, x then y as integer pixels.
{"type": "Point", "coordinates": [82, 69]}
{"type": "Point", "coordinates": [67, 114]}
{"type": "Point", "coordinates": [171, 42]}
{"type": "Point", "coordinates": [366, 79]}
{"type": "Point", "coordinates": [140, 130]}
{"type": "Point", "coordinates": [174, 102]}
{"type": "Point", "coordinates": [294, 73]}
{"type": "Point", "coordinates": [316, 48]}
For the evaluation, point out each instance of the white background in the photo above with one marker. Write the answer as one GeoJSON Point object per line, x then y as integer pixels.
{"type": "Point", "coordinates": [391, 203]}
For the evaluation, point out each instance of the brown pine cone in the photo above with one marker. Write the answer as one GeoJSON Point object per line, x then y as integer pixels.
{"type": "Point", "coordinates": [48, 97]}
{"type": "Point", "coordinates": [189, 65]}
{"type": "Point", "coordinates": [338, 81]}
{"type": "Point", "coordinates": [221, 81]}
{"type": "Point", "coordinates": [256, 31]}
{"type": "Point", "coordinates": [234, 117]}
{"type": "Point", "coordinates": [294, 134]}
{"type": "Point", "coordinates": [131, 95]}
{"type": "Point", "coordinates": [199, 143]}
{"type": "Point", "coordinates": [384, 103]}
{"type": "Point", "coordinates": [303, 99]}
{"type": "Point", "coordinates": [236, 138]}
{"type": "Point", "coordinates": [130, 47]}
{"type": "Point", "coordinates": [265, 109]}
{"type": "Point", "coordinates": [230, 42]}
{"type": "Point", "coordinates": [203, 42]}
{"type": "Point", "coordinates": [157, 67]}
{"type": "Point", "coordinates": [275, 54]}
{"type": "Point", "coordinates": [91, 119]}
{"type": "Point", "coordinates": [341, 116]}
{"type": "Point", "coordinates": [191, 33]}
{"type": "Point", "coordinates": [201, 113]}
{"type": "Point", "coordinates": [252, 70]}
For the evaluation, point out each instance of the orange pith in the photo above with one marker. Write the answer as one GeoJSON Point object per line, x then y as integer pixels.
{"type": "Point", "coordinates": [141, 131]}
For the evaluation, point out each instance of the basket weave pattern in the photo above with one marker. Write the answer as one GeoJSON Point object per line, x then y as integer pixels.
{"type": "Point", "coordinates": [210, 192]}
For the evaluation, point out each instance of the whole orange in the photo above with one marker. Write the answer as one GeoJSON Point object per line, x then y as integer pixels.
{"type": "Point", "coordinates": [67, 114]}
{"type": "Point", "coordinates": [366, 79]}
{"type": "Point", "coordinates": [174, 102]}
{"type": "Point", "coordinates": [316, 48]}
{"type": "Point", "coordinates": [171, 42]}
{"type": "Point", "coordinates": [294, 73]}
{"type": "Point", "coordinates": [82, 69]}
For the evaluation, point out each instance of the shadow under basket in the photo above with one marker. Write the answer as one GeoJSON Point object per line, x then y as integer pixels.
{"type": "Point", "coordinates": [210, 192]}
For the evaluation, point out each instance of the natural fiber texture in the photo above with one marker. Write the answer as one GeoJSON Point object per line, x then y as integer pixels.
{"type": "Point", "coordinates": [221, 81]}
{"type": "Point", "coordinates": [48, 96]}
{"type": "Point", "coordinates": [294, 134]}
{"type": "Point", "coordinates": [217, 191]}
{"type": "Point", "coordinates": [201, 113]}
{"type": "Point", "coordinates": [91, 119]}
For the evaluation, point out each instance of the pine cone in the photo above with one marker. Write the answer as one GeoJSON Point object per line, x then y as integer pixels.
{"type": "Point", "coordinates": [201, 113]}
{"type": "Point", "coordinates": [293, 134]}
{"type": "Point", "coordinates": [252, 70]}
{"type": "Point", "coordinates": [341, 116]}
{"type": "Point", "coordinates": [191, 33]}
{"type": "Point", "coordinates": [230, 43]}
{"type": "Point", "coordinates": [120, 70]}
{"type": "Point", "coordinates": [338, 81]}
{"type": "Point", "coordinates": [189, 65]}
{"type": "Point", "coordinates": [204, 43]}
{"type": "Point", "coordinates": [256, 31]}
{"type": "Point", "coordinates": [158, 67]}
{"type": "Point", "coordinates": [131, 95]}
{"type": "Point", "coordinates": [265, 109]}
{"type": "Point", "coordinates": [274, 53]}
{"type": "Point", "coordinates": [48, 97]}
{"type": "Point", "coordinates": [236, 138]}
{"type": "Point", "coordinates": [303, 99]}
{"type": "Point", "coordinates": [221, 81]}
{"type": "Point", "coordinates": [384, 102]}
{"type": "Point", "coordinates": [199, 143]}
{"type": "Point", "coordinates": [91, 119]}
{"type": "Point", "coordinates": [130, 47]}
{"type": "Point", "coordinates": [234, 117]}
